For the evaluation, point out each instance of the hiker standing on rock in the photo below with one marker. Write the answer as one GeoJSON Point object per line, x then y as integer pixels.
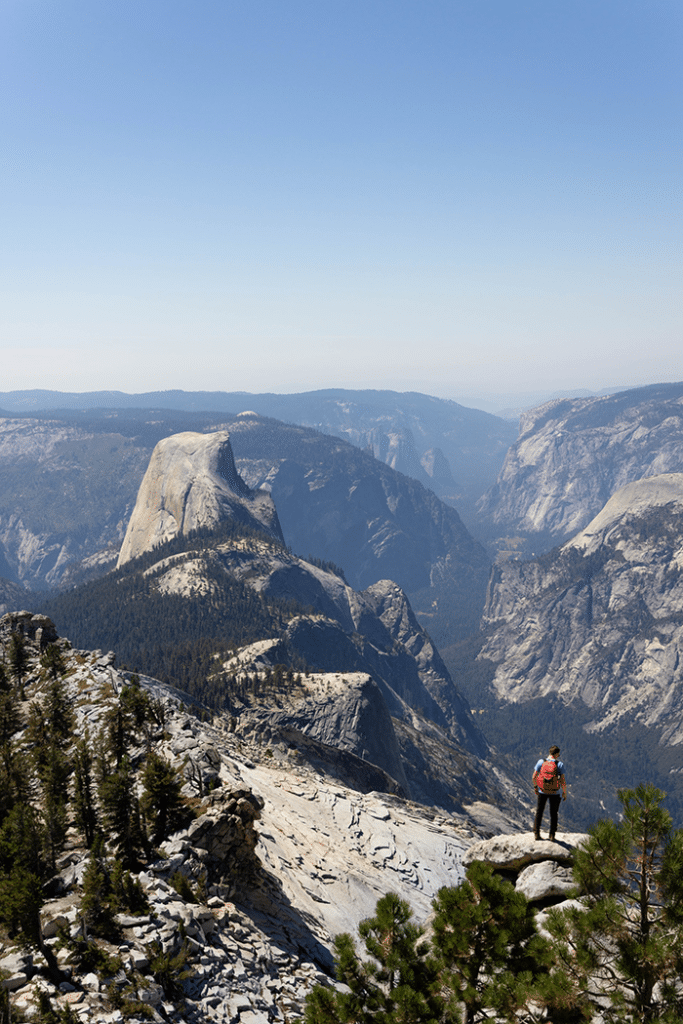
{"type": "Point", "coordinates": [547, 778]}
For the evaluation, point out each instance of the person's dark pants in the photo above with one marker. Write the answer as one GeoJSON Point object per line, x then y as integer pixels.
{"type": "Point", "coordinates": [554, 808]}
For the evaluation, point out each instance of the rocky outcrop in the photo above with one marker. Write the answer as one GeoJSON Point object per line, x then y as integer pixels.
{"type": "Point", "coordinates": [402, 753]}
{"type": "Point", "coordinates": [346, 711]}
{"type": "Point", "coordinates": [37, 628]}
{"type": "Point", "coordinates": [572, 455]}
{"type": "Point", "coordinates": [436, 466]}
{"type": "Point", "coordinates": [541, 871]}
{"type": "Point", "coordinates": [227, 837]}
{"type": "Point", "coordinates": [635, 500]}
{"type": "Point", "coordinates": [394, 610]}
{"type": "Point", "coordinates": [191, 482]}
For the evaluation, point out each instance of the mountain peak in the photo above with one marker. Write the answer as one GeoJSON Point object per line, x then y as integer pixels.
{"type": "Point", "coordinates": [192, 482]}
{"type": "Point", "coordinates": [633, 499]}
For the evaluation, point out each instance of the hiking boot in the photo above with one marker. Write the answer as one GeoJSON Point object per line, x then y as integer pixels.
{"type": "Point", "coordinates": [537, 835]}
{"type": "Point", "coordinates": [551, 837]}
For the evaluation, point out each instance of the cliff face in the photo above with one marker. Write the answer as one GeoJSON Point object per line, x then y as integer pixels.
{"type": "Point", "coordinates": [601, 619]}
{"type": "Point", "coordinates": [342, 504]}
{"type": "Point", "coordinates": [584, 648]}
{"type": "Point", "coordinates": [66, 492]}
{"type": "Point", "coordinates": [191, 482]}
{"type": "Point", "coordinates": [571, 456]}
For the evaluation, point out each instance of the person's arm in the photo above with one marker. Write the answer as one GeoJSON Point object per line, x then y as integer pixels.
{"type": "Point", "coordinates": [533, 780]}
{"type": "Point", "coordinates": [563, 783]}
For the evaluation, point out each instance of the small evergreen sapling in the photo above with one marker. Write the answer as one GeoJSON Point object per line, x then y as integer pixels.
{"type": "Point", "coordinates": [170, 969]}
{"type": "Point", "coordinates": [397, 983]}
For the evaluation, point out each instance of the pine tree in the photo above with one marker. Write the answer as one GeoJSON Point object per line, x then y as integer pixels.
{"type": "Point", "coordinates": [10, 718]}
{"type": "Point", "coordinates": [10, 724]}
{"type": "Point", "coordinates": [22, 841]}
{"type": "Point", "coordinates": [85, 812]}
{"type": "Point", "coordinates": [488, 950]}
{"type": "Point", "coordinates": [625, 946]}
{"type": "Point", "coordinates": [96, 903]}
{"type": "Point", "coordinates": [398, 983]}
{"type": "Point", "coordinates": [49, 732]}
{"type": "Point", "coordinates": [403, 971]}
{"type": "Point", "coordinates": [116, 738]}
{"type": "Point", "coordinates": [5, 1007]}
{"type": "Point", "coordinates": [18, 657]}
{"type": "Point", "coordinates": [59, 713]}
{"type": "Point", "coordinates": [127, 719]}
{"type": "Point", "coordinates": [127, 893]}
{"type": "Point", "coordinates": [54, 778]}
{"type": "Point", "coordinates": [122, 814]}
{"type": "Point", "coordinates": [17, 780]}
{"type": "Point", "coordinates": [52, 661]}
{"type": "Point", "coordinates": [135, 704]}
{"type": "Point", "coordinates": [21, 897]}
{"type": "Point", "coordinates": [162, 802]}
{"type": "Point", "coordinates": [169, 969]}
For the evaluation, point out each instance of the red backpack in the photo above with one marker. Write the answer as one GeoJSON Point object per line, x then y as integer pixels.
{"type": "Point", "coordinates": [548, 778]}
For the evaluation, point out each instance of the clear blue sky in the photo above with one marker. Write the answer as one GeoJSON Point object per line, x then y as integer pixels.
{"type": "Point", "coordinates": [451, 197]}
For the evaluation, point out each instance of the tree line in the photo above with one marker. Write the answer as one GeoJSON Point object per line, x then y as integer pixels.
{"type": "Point", "coordinates": [54, 782]}
{"type": "Point", "coordinates": [176, 639]}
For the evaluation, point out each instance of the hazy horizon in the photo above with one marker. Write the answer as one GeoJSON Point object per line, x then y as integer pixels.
{"type": "Point", "coordinates": [503, 403]}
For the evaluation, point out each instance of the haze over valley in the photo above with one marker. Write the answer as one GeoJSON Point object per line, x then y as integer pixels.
{"type": "Point", "coordinates": [520, 631]}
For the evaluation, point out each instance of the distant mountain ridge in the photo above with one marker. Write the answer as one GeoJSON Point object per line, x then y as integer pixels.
{"type": "Point", "coordinates": [572, 455]}
{"type": "Point", "coordinates": [455, 450]}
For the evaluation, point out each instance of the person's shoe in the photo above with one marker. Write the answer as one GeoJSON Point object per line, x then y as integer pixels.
{"type": "Point", "coordinates": [551, 837]}
{"type": "Point", "coordinates": [537, 835]}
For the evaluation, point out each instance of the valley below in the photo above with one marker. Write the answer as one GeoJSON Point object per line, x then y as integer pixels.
{"type": "Point", "coordinates": [328, 633]}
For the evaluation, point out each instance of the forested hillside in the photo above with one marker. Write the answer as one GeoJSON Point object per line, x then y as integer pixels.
{"type": "Point", "coordinates": [165, 635]}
